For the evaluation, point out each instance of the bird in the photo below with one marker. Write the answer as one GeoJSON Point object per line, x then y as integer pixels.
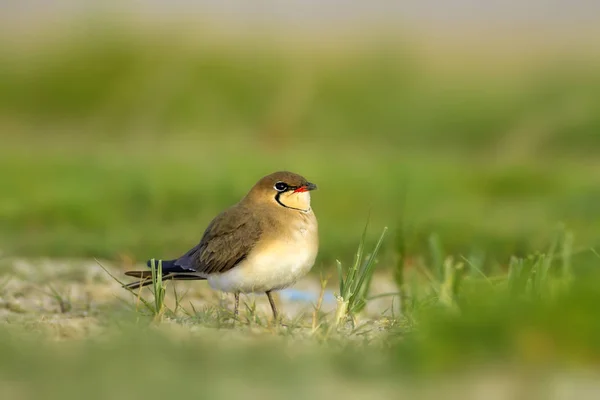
{"type": "Point", "coordinates": [263, 243]}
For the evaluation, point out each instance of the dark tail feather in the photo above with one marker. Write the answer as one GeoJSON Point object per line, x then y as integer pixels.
{"type": "Point", "coordinates": [146, 278]}
{"type": "Point", "coordinates": [167, 266]}
{"type": "Point", "coordinates": [170, 271]}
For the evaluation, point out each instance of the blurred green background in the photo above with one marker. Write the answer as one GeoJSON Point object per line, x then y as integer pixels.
{"type": "Point", "coordinates": [123, 137]}
{"type": "Point", "coordinates": [468, 128]}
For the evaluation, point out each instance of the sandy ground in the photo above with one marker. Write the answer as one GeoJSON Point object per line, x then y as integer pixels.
{"type": "Point", "coordinates": [76, 296]}
{"type": "Point", "coordinates": [90, 298]}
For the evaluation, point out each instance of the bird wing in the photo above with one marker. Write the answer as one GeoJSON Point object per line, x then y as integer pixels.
{"type": "Point", "coordinates": [226, 241]}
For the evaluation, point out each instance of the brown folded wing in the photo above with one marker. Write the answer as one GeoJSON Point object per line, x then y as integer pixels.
{"type": "Point", "coordinates": [226, 241]}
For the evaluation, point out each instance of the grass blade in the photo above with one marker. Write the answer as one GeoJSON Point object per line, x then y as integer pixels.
{"type": "Point", "coordinates": [366, 275]}
{"type": "Point", "coordinates": [340, 276]}
{"type": "Point", "coordinates": [351, 278]}
{"type": "Point", "coordinates": [137, 295]}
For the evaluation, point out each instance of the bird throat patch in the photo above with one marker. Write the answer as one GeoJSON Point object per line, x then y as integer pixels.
{"type": "Point", "coordinates": [294, 200]}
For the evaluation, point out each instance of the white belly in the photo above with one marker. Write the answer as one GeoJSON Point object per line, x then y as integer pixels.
{"type": "Point", "coordinates": [272, 267]}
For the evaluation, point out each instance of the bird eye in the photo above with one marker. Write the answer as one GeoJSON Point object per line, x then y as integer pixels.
{"type": "Point", "coordinates": [280, 186]}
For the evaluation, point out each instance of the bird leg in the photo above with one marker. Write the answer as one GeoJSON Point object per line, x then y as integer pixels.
{"type": "Point", "coordinates": [273, 307]}
{"type": "Point", "coordinates": [236, 295]}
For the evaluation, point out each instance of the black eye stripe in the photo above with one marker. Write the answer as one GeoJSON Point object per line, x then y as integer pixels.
{"type": "Point", "coordinates": [278, 200]}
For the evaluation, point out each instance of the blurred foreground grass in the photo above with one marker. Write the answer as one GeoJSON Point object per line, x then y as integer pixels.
{"type": "Point", "coordinates": [68, 329]}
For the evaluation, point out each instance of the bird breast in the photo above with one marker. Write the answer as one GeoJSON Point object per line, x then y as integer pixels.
{"type": "Point", "coordinates": [277, 261]}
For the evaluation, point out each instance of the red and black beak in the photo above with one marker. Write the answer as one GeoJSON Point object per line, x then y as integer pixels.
{"type": "Point", "coordinates": [305, 188]}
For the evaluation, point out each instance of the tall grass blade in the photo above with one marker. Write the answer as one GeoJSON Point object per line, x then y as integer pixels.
{"type": "Point", "coordinates": [340, 276]}
{"type": "Point", "coordinates": [476, 267]}
{"type": "Point", "coordinates": [527, 278]}
{"type": "Point", "coordinates": [452, 277]}
{"type": "Point", "coordinates": [145, 302]}
{"type": "Point", "coordinates": [159, 289]}
{"type": "Point", "coordinates": [350, 285]}
{"type": "Point", "coordinates": [520, 273]}
{"type": "Point", "coordinates": [357, 301]}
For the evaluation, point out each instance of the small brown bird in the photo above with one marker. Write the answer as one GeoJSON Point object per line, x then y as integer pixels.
{"type": "Point", "coordinates": [264, 243]}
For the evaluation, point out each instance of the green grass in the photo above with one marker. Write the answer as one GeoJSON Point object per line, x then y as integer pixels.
{"type": "Point", "coordinates": [123, 147]}
{"type": "Point", "coordinates": [354, 283]}
{"type": "Point", "coordinates": [540, 318]}
{"type": "Point", "coordinates": [159, 288]}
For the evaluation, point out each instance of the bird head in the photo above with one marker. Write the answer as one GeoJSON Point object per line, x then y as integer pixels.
{"type": "Point", "coordinates": [284, 189]}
